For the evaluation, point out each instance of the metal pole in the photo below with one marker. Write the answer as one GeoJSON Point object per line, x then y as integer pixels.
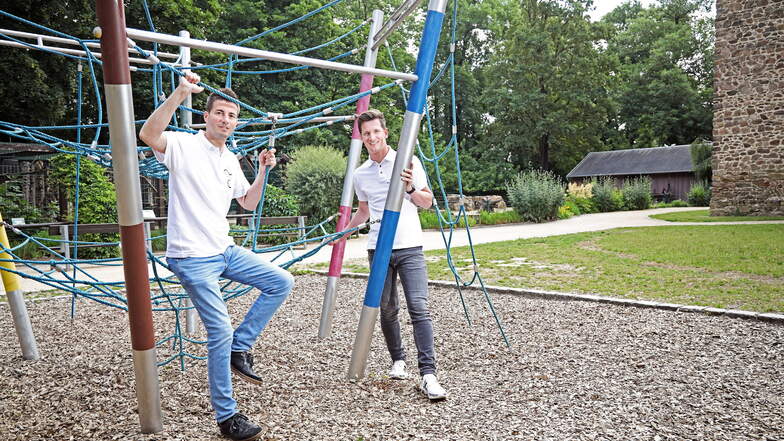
{"type": "Point", "coordinates": [347, 197]}
{"type": "Point", "coordinates": [405, 151]}
{"type": "Point", "coordinates": [186, 118]}
{"type": "Point", "coordinates": [122, 135]}
{"type": "Point", "coordinates": [395, 20]}
{"type": "Point", "coordinates": [72, 52]}
{"type": "Point", "coordinates": [13, 291]}
{"type": "Point", "coordinates": [258, 53]}
{"type": "Point", "coordinates": [40, 37]}
{"type": "Point", "coordinates": [65, 246]}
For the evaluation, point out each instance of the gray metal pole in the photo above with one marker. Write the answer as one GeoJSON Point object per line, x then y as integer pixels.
{"type": "Point", "coordinates": [258, 53]}
{"type": "Point", "coordinates": [347, 197]}
{"type": "Point", "coordinates": [40, 38]}
{"type": "Point", "coordinates": [122, 136]}
{"type": "Point", "coordinates": [186, 119]}
{"type": "Point", "coordinates": [13, 291]}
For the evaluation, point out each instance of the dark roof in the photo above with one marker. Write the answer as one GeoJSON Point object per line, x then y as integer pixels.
{"type": "Point", "coordinates": [670, 159]}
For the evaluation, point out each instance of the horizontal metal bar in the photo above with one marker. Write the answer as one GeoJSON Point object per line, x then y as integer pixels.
{"type": "Point", "coordinates": [72, 51]}
{"type": "Point", "coordinates": [258, 53]}
{"type": "Point", "coordinates": [36, 37]}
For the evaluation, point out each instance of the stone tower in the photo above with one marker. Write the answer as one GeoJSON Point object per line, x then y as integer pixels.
{"type": "Point", "coordinates": [748, 123]}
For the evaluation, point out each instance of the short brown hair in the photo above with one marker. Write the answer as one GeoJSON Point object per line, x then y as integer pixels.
{"type": "Point", "coordinates": [214, 97]}
{"type": "Point", "coordinates": [370, 115]}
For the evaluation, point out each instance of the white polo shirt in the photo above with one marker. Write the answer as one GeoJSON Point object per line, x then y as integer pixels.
{"type": "Point", "coordinates": [371, 183]}
{"type": "Point", "coordinates": [202, 182]}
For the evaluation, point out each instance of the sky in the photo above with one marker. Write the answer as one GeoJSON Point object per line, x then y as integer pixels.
{"type": "Point", "coordinates": [604, 6]}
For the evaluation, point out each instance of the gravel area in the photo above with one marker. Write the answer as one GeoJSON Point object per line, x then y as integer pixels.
{"type": "Point", "coordinates": [575, 371]}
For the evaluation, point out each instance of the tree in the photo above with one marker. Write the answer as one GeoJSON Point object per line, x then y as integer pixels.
{"type": "Point", "coordinates": [664, 82]}
{"type": "Point", "coordinates": [701, 153]}
{"type": "Point", "coordinates": [550, 99]}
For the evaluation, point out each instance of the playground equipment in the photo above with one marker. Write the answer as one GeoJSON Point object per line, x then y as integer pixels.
{"type": "Point", "coordinates": [129, 161]}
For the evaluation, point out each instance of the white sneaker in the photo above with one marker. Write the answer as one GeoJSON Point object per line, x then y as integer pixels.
{"type": "Point", "coordinates": [398, 370]}
{"type": "Point", "coordinates": [431, 388]}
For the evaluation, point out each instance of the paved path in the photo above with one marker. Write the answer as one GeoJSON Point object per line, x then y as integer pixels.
{"type": "Point", "coordinates": [432, 240]}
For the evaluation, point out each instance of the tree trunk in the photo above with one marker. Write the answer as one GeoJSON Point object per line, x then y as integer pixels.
{"type": "Point", "coordinates": [544, 152]}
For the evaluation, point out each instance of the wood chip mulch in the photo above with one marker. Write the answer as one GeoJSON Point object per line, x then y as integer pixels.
{"type": "Point", "coordinates": [575, 371]}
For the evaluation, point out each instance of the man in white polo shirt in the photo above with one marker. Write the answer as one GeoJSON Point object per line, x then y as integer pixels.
{"type": "Point", "coordinates": [371, 183]}
{"type": "Point", "coordinates": [204, 177]}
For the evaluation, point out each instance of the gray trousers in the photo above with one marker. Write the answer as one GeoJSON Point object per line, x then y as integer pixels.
{"type": "Point", "coordinates": [409, 265]}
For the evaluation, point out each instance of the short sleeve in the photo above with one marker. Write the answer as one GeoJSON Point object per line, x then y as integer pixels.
{"type": "Point", "coordinates": [170, 156]}
{"type": "Point", "coordinates": [361, 195]}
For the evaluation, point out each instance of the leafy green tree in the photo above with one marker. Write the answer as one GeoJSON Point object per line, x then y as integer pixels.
{"type": "Point", "coordinates": [549, 101]}
{"type": "Point", "coordinates": [13, 204]}
{"type": "Point", "coordinates": [664, 82]}
{"type": "Point", "coordinates": [97, 199]}
{"type": "Point", "coordinates": [484, 166]}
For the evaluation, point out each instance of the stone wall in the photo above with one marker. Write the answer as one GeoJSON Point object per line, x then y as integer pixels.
{"type": "Point", "coordinates": [476, 203]}
{"type": "Point", "coordinates": [748, 124]}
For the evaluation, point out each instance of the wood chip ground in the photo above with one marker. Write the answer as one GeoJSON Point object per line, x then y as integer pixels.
{"type": "Point", "coordinates": [575, 371]}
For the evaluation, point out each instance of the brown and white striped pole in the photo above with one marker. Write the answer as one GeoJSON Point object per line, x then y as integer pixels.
{"type": "Point", "coordinates": [122, 133]}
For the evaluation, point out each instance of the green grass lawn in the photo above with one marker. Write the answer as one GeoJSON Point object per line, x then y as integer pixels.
{"type": "Point", "coordinates": [724, 266]}
{"type": "Point", "coordinates": [704, 216]}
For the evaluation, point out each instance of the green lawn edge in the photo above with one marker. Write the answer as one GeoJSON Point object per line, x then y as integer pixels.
{"type": "Point", "coordinates": [704, 216]}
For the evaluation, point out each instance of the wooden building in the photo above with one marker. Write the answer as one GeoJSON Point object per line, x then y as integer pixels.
{"type": "Point", "coordinates": [670, 168]}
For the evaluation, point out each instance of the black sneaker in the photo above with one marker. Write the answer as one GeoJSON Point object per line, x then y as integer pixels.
{"type": "Point", "coordinates": [242, 365]}
{"type": "Point", "coordinates": [239, 428]}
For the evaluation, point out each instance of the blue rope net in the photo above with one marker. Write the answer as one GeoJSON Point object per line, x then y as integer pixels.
{"type": "Point", "coordinates": [73, 275]}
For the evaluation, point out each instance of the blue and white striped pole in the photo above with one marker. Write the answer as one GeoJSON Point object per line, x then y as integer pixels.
{"type": "Point", "coordinates": [405, 151]}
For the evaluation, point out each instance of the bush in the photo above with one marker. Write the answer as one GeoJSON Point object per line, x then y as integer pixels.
{"type": "Point", "coordinates": [315, 177]}
{"type": "Point", "coordinates": [158, 239]}
{"type": "Point", "coordinates": [572, 206]}
{"type": "Point", "coordinates": [580, 190]}
{"type": "Point", "coordinates": [32, 250]}
{"type": "Point", "coordinates": [637, 193]}
{"type": "Point", "coordinates": [503, 217]}
{"type": "Point", "coordinates": [565, 212]}
{"type": "Point", "coordinates": [536, 195]}
{"type": "Point", "coordinates": [13, 204]}
{"type": "Point", "coordinates": [279, 203]}
{"type": "Point", "coordinates": [580, 196]}
{"type": "Point", "coordinates": [699, 195]}
{"type": "Point", "coordinates": [429, 220]}
{"type": "Point", "coordinates": [583, 205]}
{"type": "Point", "coordinates": [675, 203]}
{"type": "Point", "coordinates": [605, 196]}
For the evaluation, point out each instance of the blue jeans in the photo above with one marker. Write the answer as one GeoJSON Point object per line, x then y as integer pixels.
{"type": "Point", "coordinates": [199, 276]}
{"type": "Point", "coordinates": [409, 265]}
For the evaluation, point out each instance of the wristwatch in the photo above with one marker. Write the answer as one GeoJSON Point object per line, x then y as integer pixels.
{"type": "Point", "coordinates": [411, 191]}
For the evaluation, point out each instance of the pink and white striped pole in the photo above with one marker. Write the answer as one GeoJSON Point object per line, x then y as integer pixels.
{"type": "Point", "coordinates": [347, 198]}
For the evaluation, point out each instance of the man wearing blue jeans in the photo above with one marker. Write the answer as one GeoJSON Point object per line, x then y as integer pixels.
{"type": "Point", "coordinates": [204, 177]}
{"type": "Point", "coordinates": [371, 183]}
